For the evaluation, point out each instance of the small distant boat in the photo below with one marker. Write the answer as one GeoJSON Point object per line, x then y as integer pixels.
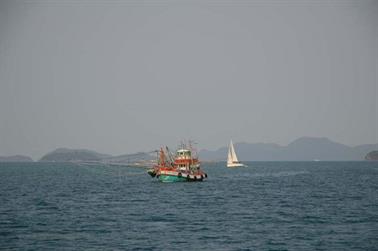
{"type": "Point", "coordinates": [184, 166]}
{"type": "Point", "coordinates": [232, 159]}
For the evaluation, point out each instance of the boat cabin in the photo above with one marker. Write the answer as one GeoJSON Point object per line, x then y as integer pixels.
{"type": "Point", "coordinates": [183, 159]}
{"type": "Point", "coordinates": [184, 154]}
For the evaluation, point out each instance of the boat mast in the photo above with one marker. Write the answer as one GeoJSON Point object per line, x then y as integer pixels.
{"type": "Point", "coordinates": [162, 157]}
{"type": "Point", "coordinates": [170, 157]}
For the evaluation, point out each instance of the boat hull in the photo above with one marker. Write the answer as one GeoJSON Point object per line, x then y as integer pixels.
{"type": "Point", "coordinates": [179, 176]}
{"type": "Point", "coordinates": [152, 172]}
{"type": "Point", "coordinates": [171, 178]}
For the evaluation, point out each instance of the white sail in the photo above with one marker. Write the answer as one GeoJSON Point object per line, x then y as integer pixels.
{"type": "Point", "coordinates": [233, 154]}
{"type": "Point", "coordinates": [229, 157]}
{"type": "Point", "coordinates": [232, 159]}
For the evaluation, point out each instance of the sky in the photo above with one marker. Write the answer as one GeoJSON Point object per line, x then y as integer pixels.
{"type": "Point", "coordinates": [127, 76]}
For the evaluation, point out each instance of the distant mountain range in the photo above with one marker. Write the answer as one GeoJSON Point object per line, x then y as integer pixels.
{"type": "Point", "coordinates": [302, 149]}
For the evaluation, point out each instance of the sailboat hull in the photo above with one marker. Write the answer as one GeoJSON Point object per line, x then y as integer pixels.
{"type": "Point", "coordinates": [235, 165]}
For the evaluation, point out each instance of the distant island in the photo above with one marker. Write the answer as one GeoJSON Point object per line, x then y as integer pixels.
{"type": "Point", "coordinates": [301, 149]}
{"type": "Point", "coordinates": [373, 155]}
{"type": "Point", "coordinates": [71, 155]}
{"type": "Point", "coordinates": [83, 155]}
{"type": "Point", "coordinates": [16, 158]}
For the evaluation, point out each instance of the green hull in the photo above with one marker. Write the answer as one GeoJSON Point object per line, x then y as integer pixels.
{"type": "Point", "coordinates": [170, 178]}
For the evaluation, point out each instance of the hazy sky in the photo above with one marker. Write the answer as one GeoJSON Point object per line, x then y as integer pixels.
{"type": "Point", "coordinates": [126, 76]}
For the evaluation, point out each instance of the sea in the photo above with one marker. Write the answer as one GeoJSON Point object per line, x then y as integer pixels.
{"type": "Point", "coordinates": [265, 206]}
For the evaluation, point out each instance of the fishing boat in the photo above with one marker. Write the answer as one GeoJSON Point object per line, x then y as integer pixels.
{"type": "Point", "coordinates": [183, 166]}
{"type": "Point", "coordinates": [232, 159]}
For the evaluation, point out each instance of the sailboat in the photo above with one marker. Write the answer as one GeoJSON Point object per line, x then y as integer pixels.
{"type": "Point", "coordinates": [232, 159]}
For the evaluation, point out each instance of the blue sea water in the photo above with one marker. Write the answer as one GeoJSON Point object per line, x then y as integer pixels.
{"type": "Point", "coordinates": [266, 206]}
